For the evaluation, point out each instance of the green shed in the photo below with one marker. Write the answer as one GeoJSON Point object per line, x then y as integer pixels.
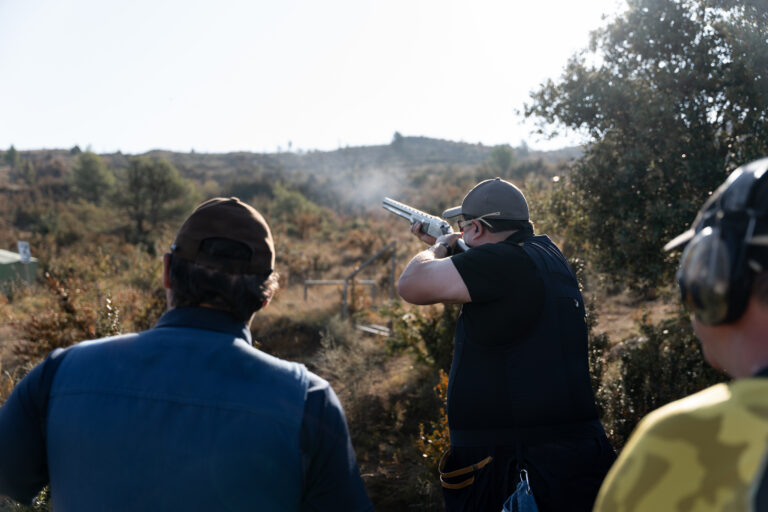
{"type": "Point", "coordinates": [12, 268]}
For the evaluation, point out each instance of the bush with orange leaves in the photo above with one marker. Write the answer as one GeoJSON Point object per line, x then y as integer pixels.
{"type": "Point", "coordinates": [432, 445]}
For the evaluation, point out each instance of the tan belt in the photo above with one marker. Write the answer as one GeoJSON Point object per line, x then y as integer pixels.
{"type": "Point", "coordinates": [463, 471]}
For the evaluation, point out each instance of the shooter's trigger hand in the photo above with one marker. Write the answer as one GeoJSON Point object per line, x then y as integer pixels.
{"type": "Point", "coordinates": [450, 239]}
{"type": "Point", "coordinates": [416, 230]}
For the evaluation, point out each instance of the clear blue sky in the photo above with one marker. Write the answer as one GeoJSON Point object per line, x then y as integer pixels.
{"type": "Point", "coordinates": [255, 75]}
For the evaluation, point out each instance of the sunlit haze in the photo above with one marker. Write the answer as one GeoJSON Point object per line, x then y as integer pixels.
{"type": "Point", "coordinates": [279, 75]}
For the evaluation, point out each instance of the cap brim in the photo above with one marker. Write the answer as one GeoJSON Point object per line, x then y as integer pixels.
{"type": "Point", "coordinates": [452, 212]}
{"type": "Point", "coordinates": [680, 240]}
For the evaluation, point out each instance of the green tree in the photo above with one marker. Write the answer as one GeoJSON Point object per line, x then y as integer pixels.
{"type": "Point", "coordinates": [91, 179]}
{"type": "Point", "coordinates": [673, 94]}
{"type": "Point", "coordinates": [11, 157]}
{"type": "Point", "coordinates": [523, 150]}
{"type": "Point", "coordinates": [500, 159]}
{"type": "Point", "coordinates": [300, 215]}
{"type": "Point", "coordinates": [153, 192]}
{"type": "Point", "coordinates": [26, 171]}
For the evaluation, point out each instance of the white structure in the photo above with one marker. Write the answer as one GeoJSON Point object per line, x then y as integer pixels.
{"type": "Point", "coordinates": [12, 268]}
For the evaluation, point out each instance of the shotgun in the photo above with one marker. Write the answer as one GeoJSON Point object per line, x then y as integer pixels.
{"type": "Point", "coordinates": [431, 225]}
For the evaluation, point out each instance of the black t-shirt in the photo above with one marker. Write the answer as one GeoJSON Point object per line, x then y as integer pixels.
{"type": "Point", "coordinates": [520, 349]}
{"type": "Point", "coordinates": [520, 382]}
{"type": "Point", "coordinates": [506, 290]}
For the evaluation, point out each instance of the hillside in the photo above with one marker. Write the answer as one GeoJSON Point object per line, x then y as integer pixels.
{"type": "Point", "coordinates": [348, 179]}
{"type": "Point", "coordinates": [354, 177]}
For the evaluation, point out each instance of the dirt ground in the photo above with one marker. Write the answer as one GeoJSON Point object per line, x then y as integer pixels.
{"type": "Point", "coordinates": [619, 315]}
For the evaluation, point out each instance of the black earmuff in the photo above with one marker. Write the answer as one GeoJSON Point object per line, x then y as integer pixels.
{"type": "Point", "coordinates": [715, 277]}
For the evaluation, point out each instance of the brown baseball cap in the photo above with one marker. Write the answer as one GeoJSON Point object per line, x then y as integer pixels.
{"type": "Point", "coordinates": [231, 219]}
{"type": "Point", "coordinates": [494, 195]}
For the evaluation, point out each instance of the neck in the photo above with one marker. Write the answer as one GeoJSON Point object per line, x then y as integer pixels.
{"type": "Point", "coordinates": [741, 348]}
{"type": "Point", "coordinates": [489, 237]}
{"type": "Point", "coordinates": [755, 344]}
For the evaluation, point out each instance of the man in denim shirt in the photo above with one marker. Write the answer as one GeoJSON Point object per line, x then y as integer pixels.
{"type": "Point", "coordinates": [187, 415]}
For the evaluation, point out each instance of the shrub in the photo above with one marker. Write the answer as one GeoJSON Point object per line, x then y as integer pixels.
{"type": "Point", "coordinates": [41, 503]}
{"type": "Point", "coordinates": [432, 445]}
{"type": "Point", "coordinates": [67, 323]}
{"type": "Point", "coordinates": [292, 211]}
{"type": "Point", "coordinates": [427, 331]}
{"type": "Point", "coordinates": [663, 364]}
{"type": "Point", "coordinates": [91, 179]}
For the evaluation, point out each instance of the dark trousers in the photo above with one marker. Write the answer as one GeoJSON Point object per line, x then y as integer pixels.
{"type": "Point", "coordinates": [564, 475]}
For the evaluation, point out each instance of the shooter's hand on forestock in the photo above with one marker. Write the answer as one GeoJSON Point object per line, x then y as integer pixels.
{"type": "Point", "coordinates": [424, 237]}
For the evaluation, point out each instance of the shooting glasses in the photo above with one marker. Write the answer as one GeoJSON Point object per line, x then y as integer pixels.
{"type": "Point", "coordinates": [468, 222]}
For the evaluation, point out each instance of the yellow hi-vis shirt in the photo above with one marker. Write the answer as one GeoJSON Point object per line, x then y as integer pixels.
{"type": "Point", "coordinates": [706, 452]}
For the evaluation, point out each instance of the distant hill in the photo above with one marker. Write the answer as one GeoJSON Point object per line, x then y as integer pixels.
{"type": "Point", "coordinates": [403, 152]}
{"type": "Point", "coordinates": [344, 177]}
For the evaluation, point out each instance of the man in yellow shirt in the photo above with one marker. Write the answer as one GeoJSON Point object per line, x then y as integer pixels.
{"type": "Point", "coordinates": [707, 452]}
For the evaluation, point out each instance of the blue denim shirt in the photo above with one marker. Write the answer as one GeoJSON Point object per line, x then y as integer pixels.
{"type": "Point", "coordinates": [185, 416]}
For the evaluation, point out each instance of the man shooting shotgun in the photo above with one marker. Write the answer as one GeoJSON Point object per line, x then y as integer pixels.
{"type": "Point", "coordinates": [519, 394]}
{"type": "Point", "coordinates": [428, 224]}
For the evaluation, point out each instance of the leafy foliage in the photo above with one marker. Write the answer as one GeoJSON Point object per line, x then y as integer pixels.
{"type": "Point", "coordinates": [673, 94]}
{"type": "Point", "coordinates": [427, 331]}
{"type": "Point", "coordinates": [65, 324]}
{"type": "Point", "coordinates": [91, 179]}
{"type": "Point", "coordinates": [433, 444]}
{"type": "Point", "coordinates": [25, 172]}
{"type": "Point", "coordinates": [41, 503]}
{"type": "Point", "coordinates": [501, 159]}
{"type": "Point", "coordinates": [663, 364]}
{"type": "Point", "coordinates": [291, 209]}
{"type": "Point", "coordinates": [11, 157]}
{"type": "Point", "coordinates": [153, 192]}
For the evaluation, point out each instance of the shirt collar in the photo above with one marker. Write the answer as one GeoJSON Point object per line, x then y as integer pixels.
{"type": "Point", "coordinates": [206, 318]}
{"type": "Point", "coordinates": [518, 236]}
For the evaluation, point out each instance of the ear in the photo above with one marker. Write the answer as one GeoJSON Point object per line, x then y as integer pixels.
{"type": "Point", "coordinates": [167, 271]}
{"type": "Point", "coordinates": [267, 300]}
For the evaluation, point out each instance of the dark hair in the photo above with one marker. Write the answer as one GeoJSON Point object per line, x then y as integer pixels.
{"type": "Point", "coordinates": [240, 294]}
{"type": "Point", "coordinates": [496, 225]}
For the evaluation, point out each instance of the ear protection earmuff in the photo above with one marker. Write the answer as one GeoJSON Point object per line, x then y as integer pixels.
{"type": "Point", "coordinates": [715, 274]}
{"type": "Point", "coordinates": [713, 277]}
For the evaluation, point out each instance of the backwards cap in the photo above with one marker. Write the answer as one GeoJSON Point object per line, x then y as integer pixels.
{"type": "Point", "coordinates": [230, 219]}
